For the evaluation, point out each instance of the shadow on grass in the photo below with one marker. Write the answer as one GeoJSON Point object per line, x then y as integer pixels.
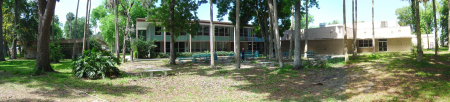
{"type": "Point", "coordinates": [400, 77]}
{"type": "Point", "coordinates": [281, 84]}
{"type": "Point", "coordinates": [61, 83]}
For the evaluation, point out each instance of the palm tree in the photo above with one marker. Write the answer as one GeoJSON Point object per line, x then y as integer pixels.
{"type": "Point", "coordinates": [85, 26]}
{"type": "Point", "coordinates": [345, 35]}
{"type": "Point", "coordinates": [75, 34]}
{"type": "Point", "coordinates": [236, 36]}
{"type": "Point", "coordinates": [355, 21]}
{"type": "Point", "coordinates": [306, 30]}
{"type": "Point", "coordinates": [415, 4]}
{"type": "Point", "coordinates": [435, 30]}
{"type": "Point", "coordinates": [2, 57]}
{"type": "Point", "coordinates": [373, 29]}
{"type": "Point", "coordinates": [426, 23]}
{"type": "Point", "coordinates": [297, 51]}
{"type": "Point", "coordinates": [212, 33]}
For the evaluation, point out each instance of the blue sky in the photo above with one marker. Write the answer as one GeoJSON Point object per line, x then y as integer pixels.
{"type": "Point", "coordinates": [329, 10]}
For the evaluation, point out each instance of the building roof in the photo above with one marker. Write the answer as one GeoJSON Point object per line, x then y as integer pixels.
{"type": "Point", "coordinates": [142, 24]}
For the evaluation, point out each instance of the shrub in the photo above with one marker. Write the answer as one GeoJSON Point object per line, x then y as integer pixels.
{"type": "Point", "coordinates": [95, 64]}
{"type": "Point", "coordinates": [143, 46]}
{"type": "Point", "coordinates": [163, 55]}
{"type": "Point", "coordinates": [93, 43]}
{"type": "Point", "coordinates": [184, 54]}
{"type": "Point", "coordinates": [223, 53]}
{"type": "Point", "coordinates": [55, 52]}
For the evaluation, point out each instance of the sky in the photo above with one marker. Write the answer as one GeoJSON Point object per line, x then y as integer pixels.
{"type": "Point", "coordinates": [328, 10]}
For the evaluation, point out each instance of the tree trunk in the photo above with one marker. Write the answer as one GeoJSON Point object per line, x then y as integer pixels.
{"type": "Point", "coordinates": [298, 37]}
{"type": "Point", "coordinates": [116, 26]}
{"type": "Point", "coordinates": [2, 56]}
{"type": "Point", "coordinates": [212, 34]}
{"type": "Point", "coordinates": [306, 30]}
{"type": "Point", "coordinates": [345, 35]}
{"type": "Point", "coordinates": [291, 37]}
{"type": "Point", "coordinates": [418, 33]}
{"type": "Point", "coordinates": [435, 30]}
{"type": "Point", "coordinates": [277, 34]}
{"type": "Point", "coordinates": [75, 34]}
{"type": "Point", "coordinates": [85, 26]}
{"type": "Point", "coordinates": [172, 33]}
{"type": "Point", "coordinates": [373, 28]}
{"type": "Point", "coordinates": [124, 48]}
{"type": "Point", "coordinates": [88, 24]}
{"type": "Point", "coordinates": [355, 21]}
{"type": "Point", "coordinates": [448, 31]}
{"type": "Point", "coordinates": [46, 12]}
{"type": "Point", "coordinates": [16, 26]}
{"type": "Point", "coordinates": [426, 25]}
{"type": "Point", "coordinates": [237, 36]}
{"type": "Point", "coordinates": [270, 31]}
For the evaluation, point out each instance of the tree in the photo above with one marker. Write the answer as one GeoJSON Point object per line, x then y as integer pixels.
{"type": "Point", "coordinates": [373, 29]}
{"type": "Point", "coordinates": [116, 25]}
{"type": "Point", "coordinates": [345, 35]}
{"type": "Point", "coordinates": [426, 24]}
{"type": "Point", "coordinates": [70, 17]}
{"type": "Point", "coordinates": [435, 30]}
{"type": "Point", "coordinates": [297, 51]}
{"type": "Point", "coordinates": [448, 33]}
{"type": "Point", "coordinates": [415, 8]}
{"type": "Point", "coordinates": [16, 27]}
{"type": "Point", "coordinates": [180, 17]}
{"type": "Point", "coordinates": [291, 38]}
{"type": "Point", "coordinates": [85, 26]}
{"type": "Point", "coordinates": [127, 30]}
{"type": "Point", "coordinates": [2, 58]}
{"type": "Point", "coordinates": [275, 27]}
{"type": "Point", "coordinates": [46, 12]}
{"type": "Point", "coordinates": [236, 36]}
{"type": "Point", "coordinates": [211, 40]}
{"type": "Point", "coordinates": [355, 26]}
{"type": "Point", "coordinates": [306, 31]}
{"type": "Point", "coordinates": [74, 34]}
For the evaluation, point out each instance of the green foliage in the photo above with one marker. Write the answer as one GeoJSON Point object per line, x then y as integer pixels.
{"type": "Point", "coordinates": [165, 61]}
{"type": "Point", "coordinates": [95, 64]}
{"type": "Point", "coordinates": [184, 54]}
{"type": "Point", "coordinates": [163, 55]}
{"type": "Point", "coordinates": [254, 61]}
{"type": "Point", "coordinates": [443, 12]}
{"type": "Point", "coordinates": [79, 32]}
{"type": "Point", "coordinates": [223, 53]}
{"type": "Point", "coordinates": [55, 52]}
{"type": "Point", "coordinates": [93, 43]}
{"type": "Point", "coordinates": [143, 46]}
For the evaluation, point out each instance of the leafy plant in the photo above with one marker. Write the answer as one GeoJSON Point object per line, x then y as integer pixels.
{"type": "Point", "coordinates": [55, 52]}
{"type": "Point", "coordinates": [95, 64]}
{"type": "Point", "coordinates": [184, 54]}
{"type": "Point", "coordinates": [163, 55]}
{"type": "Point", "coordinates": [143, 46]}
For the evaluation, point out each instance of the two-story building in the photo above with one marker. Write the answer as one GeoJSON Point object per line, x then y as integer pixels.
{"type": "Point", "coordinates": [223, 31]}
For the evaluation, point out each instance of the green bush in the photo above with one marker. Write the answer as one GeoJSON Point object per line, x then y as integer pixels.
{"type": "Point", "coordinates": [93, 43]}
{"type": "Point", "coordinates": [163, 55]}
{"type": "Point", "coordinates": [95, 64]}
{"type": "Point", "coordinates": [55, 52]}
{"type": "Point", "coordinates": [184, 54]}
{"type": "Point", "coordinates": [223, 53]}
{"type": "Point", "coordinates": [143, 46]}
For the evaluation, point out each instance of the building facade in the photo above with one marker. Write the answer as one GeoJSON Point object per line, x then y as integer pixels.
{"type": "Point", "coordinates": [223, 32]}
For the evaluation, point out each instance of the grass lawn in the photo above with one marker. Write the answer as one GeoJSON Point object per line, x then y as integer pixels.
{"type": "Point", "coordinates": [391, 76]}
{"type": "Point", "coordinates": [397, 76]}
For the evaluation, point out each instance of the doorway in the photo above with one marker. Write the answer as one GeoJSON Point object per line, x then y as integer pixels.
{"type": "Point", "coordinates": [382, 45]}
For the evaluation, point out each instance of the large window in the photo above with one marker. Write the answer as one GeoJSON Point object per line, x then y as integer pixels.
{"type": "Point", "coordinates": [365, 43]}
{"type": "Point", "coordinates": [199, 46]}
{"type": "Point", "coordinates": [205, 30]}
{"type": "Point", "coordinates": [158, 30]}
{"type": "Point", "coordinates": [244, 32]}
{"type": "Point", "coordinates": [179, 46]}
{"type": "Point", "coordinates": [221, 46]}
{"type": "Point", "coordinates": [158, 47]}
{"type": "Point", "coordinates": [227, 31]}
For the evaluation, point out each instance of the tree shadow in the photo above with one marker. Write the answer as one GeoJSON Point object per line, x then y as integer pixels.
{"type": "Point", "coordinates": [62, 83]}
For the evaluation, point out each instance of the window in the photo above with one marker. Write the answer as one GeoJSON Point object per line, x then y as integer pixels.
{"type": "Point", "coordinates": [158, 47]}
{"type": "Point", "coordinates": [183, 33]}
{"type": "Point", "coordinates": [205, 30]}
{"type": "Point", "coordinates": [365, 43]}
{"type": "Point", "coordinates": [221, 46]}
{"type": "Point", "coordinates": [216, 30]}
{"type": "Point", "coordinates": [157, 31]}
{"type": "Point", "coordinates": [227, 31]}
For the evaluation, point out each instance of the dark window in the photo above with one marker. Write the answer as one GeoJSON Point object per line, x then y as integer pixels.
{"type": "Point", "coordinates": [227, 31]}
{"type": "Point", "coordinates": [157, 31]}
{"type": "Point", "coordinates": [167, 33]}
{"type": "Point", "coordinates": [241, 32]}
{"type": "Point", "coordinates": [158, 47]}
{"type": "Point", "coordinates": [183, 33]}
{"type": "Point", "coordinates": [206, 30]}
{"type": "Point", "coordinates": [221, 31]}
{"type": "Point", "coordinates": [365, 43]}
{"type": "Point", "coordinates": [200, 31]}
{"type": "Point", "coordinates": [216, 31]}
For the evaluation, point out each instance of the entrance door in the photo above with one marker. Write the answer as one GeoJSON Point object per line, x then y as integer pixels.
{"type": "Point", "coordinates": [382, 46]}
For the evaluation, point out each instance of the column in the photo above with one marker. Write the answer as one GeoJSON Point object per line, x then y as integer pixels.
{"type": "Point", "coordinates": [164, 41]}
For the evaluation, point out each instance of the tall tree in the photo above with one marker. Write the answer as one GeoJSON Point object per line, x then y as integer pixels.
{"type": "Point", "coordinates": [70, 17]}
{"type": "Point", "coordinates": [448, 33]}
{"type": "Point", "coordinates": [355, 27]}
{"type": "Point", "coordinates": [211, 38]}
{"type": "Point", "coordinates": [426, 24]}
{"type": "Point", "coordinates": [345, 34]}
{"type": "Point", "coordinates": [297, 51]}
{"type": "Point", "coordinates": [88, 17]}
{"type": "Point", "coordinates": [291, 36]}
{"type": "Point", "coordinates": [435, 30]}
{"type": "Point", "coordinates": [270, 30]}
{"type": "Point", "coordinates": [236, 36]}
{"type": "Point", "coordinates": [46, 12]}
{"type": "Point", "coordinates": [127, 30]}
{"type": "Point", "coordinates": [415, 8]}
{"type": "Point", "coordinates": [183, 12]}
{"type": "Point", "coordinates": [306, 30]}
{"type": "Point", "coordinates": [277, 34]}
{"type": "Point", "coordinates": [373, 29]}
{"type": "Point", "coordinates": [116, 26]}
{"type": "Point", "coordinates": [74, 37]}
{"type": "Point", "coordinates": [16, 27]}
{"type": "Point", "coordinates": [85, 25]}
{"type": "Point", "coordinates": [2, 57]}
